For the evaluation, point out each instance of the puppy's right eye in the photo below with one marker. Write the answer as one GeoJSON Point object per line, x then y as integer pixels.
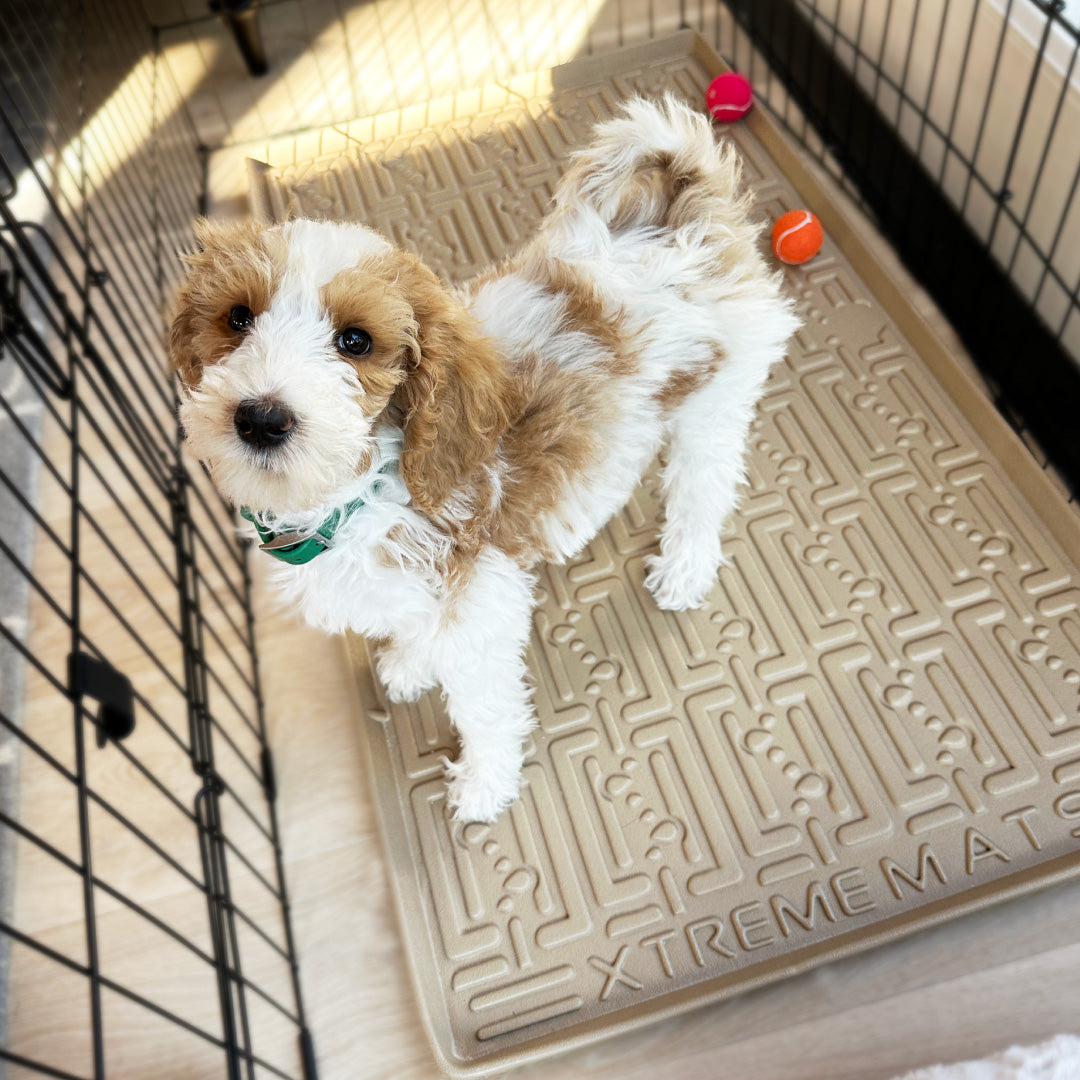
{"type": "Point", "coordinates": [240, 318]}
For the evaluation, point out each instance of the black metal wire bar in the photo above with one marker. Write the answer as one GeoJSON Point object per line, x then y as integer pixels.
{"type": "Point", "coordinates": [45, 950]}
{"type": "Point", "coordinates": [178, 139]}
{"type": "Point", "coordinates": [211, 874]}
{"type": "Point", "coordinates": [206, 808]}
{"type": "Point", "coordinates": [26, 575]}
{"type": "Point", "coordinates": [1018, 133]}
{"type": "Point", "coordinates": [1060, 232]}
{"type": "Point", "coordinates": [243, 676]}
{"type": "Point", "coordinates": [32, 580]}
{"type": "Point", "coordinates": [231, 743]}
{"type": "Point", "coordinates": [82, 246]}
{"type": "Point", "coordinates": [235, 970]}
{"type": "Point", "coordinates": [220, 605]}
{"type": "Point", "coordinates": [995, 321]}
{"type": "Point", "coordinates": [146, 773]}
{"type": "Point", "coordinates": [128, 569]}
{"type": "Point", "coordinates": [950, 145]}
{"type": "Point", "coordinates": [86, 642]}
{"type": "Point", "coordinates": [165, 1014]}
{"type": "Point", "coordinates": [830, 74]}
{"type": "Point", "coordinates": [981, 130]}
{"type": "Point", "coordinates": [36, 1066]}
{"type": "Point", "coordinates": [226, 693]}
{"type": "Point", "coordinates": [136, 118]}
{"type": "Point", "coordinates": [42, 845]}
{"type": "Point", "coordinates": [228, 789]}
{"type": "Point", "coordinates": [30, 165]}
{"type": "Point", "coordinates": [87, 970]}
{"type": "Point", "coordinates": [70, 864]}
{"type": "Point", "coordinates": [31, 354]}
{"type": "Point", "coordinates": [188, 944]}
{"type": "Point", "coordinates": [26, 283]}
{"type": "Point", "coordinates": [49, 759]}
{"type": "Point", "coordinates": [935, 67]}
{"type": "Point", "coordinates": [259, 992]}
{"type": "Point", "coordinates": [52, 93]}
{"type": "Point", "coordinates": [65, 322]}
{"type": "Point", "coordinates": [945, 134]}
{"type": "Point", "coordinates": [118, 225]}
{"type": "Point", "coordinates": [256, 928]}
{"type": "Point", "coordinates": [230, 543]}
{"type": "Point", "coordinates": [245, 1054]}
{"type": "Point", "coordinates": [229, 844]}
{"type": "Point", "coordinates": [857, 54]}
{"type": "Point", "coordinates": [149, 841]}
{"type": "Point", "coordinates": [39, 842]}
{"type": "Point", "coordinates": [120, 462]}
{"type": "Point", "coordinates": [80, 571]}
{"type": "Point", "coordinates": [95, 426]}
{"type": "Point", "coordinates": [81, 782]}
{"type": "Point", "coordinates": [116, 398]}
{"type": "Point", "coordinates": [271, 794]}
{"type": "Point", "coordinates": [149, 439]}
{"type": "Point", "coordinates": [18, 355]}
{"type": "Point", "coordinates": [151, 654]}
{"type": "Point", "coordinates": [1066, 82]}
{"type": "Point", "coordinates": [155, 172]}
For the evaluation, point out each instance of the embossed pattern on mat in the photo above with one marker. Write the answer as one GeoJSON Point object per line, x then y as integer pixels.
{"type": "Point", "coordinates": [873, 725]}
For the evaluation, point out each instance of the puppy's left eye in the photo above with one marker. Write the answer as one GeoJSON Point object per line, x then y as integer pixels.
{"type": "Point", "coordinates": [240, 318]}
{"type": "Point", "coordinates": [354, 341]}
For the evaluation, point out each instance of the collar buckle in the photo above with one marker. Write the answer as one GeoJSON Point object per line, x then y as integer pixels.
{"type": "Point", "coordinates": [289, 539]}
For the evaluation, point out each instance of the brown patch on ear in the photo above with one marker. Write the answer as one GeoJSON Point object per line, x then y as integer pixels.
{"type": "Point", "coordinates": [456, 395]}
{"type": "Point", "coordinates": [237, 263]}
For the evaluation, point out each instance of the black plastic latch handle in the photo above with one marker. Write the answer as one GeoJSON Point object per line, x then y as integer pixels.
{"type": "Point", "coordinates": [88, 676]}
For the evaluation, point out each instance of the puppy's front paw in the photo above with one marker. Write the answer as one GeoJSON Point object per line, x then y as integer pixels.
{"type": "Point", "coordinates": [476, 796]}
{"type": "Point", "coordinates": [678, 586]}
{"type": "Point", "coordinates": [403, 674]}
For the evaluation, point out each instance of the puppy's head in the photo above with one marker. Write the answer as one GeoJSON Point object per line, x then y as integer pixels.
{"type": "Point", "coordinates": [292, 342]}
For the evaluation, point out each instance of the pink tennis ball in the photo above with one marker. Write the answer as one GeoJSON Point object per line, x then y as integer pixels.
{"type": "Point", "coordinates": [729, 97]}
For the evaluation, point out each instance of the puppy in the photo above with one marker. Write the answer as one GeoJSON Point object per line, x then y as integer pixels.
{"type": "Point", "coordinates": [410, 452]}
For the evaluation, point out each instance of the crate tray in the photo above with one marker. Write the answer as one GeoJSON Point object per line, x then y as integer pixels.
{"type": "Point", "coordinates": [873, 726]}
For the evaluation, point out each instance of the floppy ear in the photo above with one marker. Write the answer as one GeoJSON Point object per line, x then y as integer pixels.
{"type": "Point", "coordinates": [232, 264]}
{"type": "Point", "coordinates": [455, 397]}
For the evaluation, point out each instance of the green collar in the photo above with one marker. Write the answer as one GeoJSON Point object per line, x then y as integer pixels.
{"type": "Point", "coordinates": [297, 548]}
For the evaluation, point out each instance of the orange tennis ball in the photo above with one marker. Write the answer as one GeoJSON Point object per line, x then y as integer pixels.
{"type": "Point", "coordinates": [797, 236]}
{"type": "Point", "coordinates": [729, 97]}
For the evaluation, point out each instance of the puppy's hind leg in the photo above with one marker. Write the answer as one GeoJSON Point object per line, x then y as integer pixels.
{"type": "Point", "coordinates": [481, 661]}
{"type": "Point", "coordinates": [706, 464]}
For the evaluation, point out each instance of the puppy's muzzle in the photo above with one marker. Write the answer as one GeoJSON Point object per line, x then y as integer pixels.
{"type": "Point", "coordinates": [263, 424]}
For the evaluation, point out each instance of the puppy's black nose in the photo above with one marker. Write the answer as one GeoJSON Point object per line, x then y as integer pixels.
{"type": "Point", "coordinates": [263, 423]}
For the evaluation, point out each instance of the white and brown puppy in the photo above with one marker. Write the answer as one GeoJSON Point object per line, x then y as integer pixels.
{"type": "Point", "coordinates": [411, 452]}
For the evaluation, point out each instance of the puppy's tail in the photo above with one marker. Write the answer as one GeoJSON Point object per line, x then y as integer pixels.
{"type": "Point", "coordinates": [657, 164]}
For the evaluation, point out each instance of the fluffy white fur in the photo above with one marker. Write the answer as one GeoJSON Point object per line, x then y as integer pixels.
{"type": "Point", "coordinates": [650, 218]}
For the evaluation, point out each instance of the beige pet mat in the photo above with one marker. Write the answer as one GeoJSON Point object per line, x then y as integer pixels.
{"type": "Point", "coordinates": [871, 728]}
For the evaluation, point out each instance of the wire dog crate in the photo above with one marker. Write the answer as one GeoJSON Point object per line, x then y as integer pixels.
{"type": "Point", "coordinates": [129, 684]}
{"type": "Point", "coordinates": [137, 793]}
